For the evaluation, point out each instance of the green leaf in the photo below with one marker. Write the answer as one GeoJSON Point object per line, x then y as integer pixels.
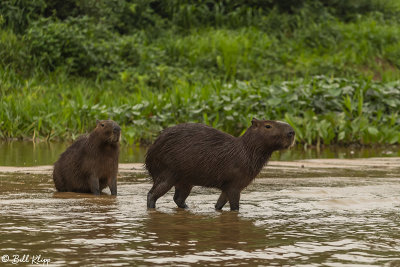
{"type": "Point", "coordinates": [373, 131]}
{"type": "Point", "coordinates": [341, 136]}
{"type": "Point", "coordinates": [228, 108]}
{"type": "Point", "coordinates": [274, 101]}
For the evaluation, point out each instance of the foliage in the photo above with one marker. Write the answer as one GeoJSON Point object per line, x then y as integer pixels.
{"type": "Point", "coordinates": [78, 45]}
{"type": "Point", "coordinates": [322, 110]}
{"type": "Point", "coordinates": [227, 40]}
{"type": "Point", "coordinates": [18, 14]}
{"type": "Point", "coordinates": [152, 64]}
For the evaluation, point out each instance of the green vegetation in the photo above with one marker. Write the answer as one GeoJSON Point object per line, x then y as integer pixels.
{"type": "Point", "coordinates": [329, 68]}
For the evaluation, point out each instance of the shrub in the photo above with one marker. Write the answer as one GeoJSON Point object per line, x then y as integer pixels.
{"type": "Point", "coordinates": [77, 44]}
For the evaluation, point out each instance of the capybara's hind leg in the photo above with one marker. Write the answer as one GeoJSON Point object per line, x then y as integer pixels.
{"type": "Point", "coordinates": [182, 191]}
{"type": "Point", "coordinates": [157, 191]}
{"type": "Point", "coordinates": [233, 197]}
{"type": "Point", "coordinates": [221, 201]}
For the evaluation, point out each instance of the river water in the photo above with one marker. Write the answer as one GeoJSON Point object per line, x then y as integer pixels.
{"type": "Point", "coordinates": [31, 154]}
{"type": "Point", "coordinates": [319, 212]}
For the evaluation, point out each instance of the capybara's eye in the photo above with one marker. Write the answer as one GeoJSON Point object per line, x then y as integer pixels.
{"type": "Point", "coordinates": [267, 126]}
{"type": "Point", "coordinates": [102, 125]}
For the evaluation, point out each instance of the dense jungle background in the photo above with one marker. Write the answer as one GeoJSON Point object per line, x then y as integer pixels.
{"type": "Point", "coordinates": [329, 68]}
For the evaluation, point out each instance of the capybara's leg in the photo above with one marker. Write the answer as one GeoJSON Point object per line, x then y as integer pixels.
{"type": "Point", "coordinates": [182, 191]}
{"type": "Point", "coordinates": [221, 201]}
{"type": "Point", "coordinates": [112, 184]}
{"type": "Point", "coordinates": [157, 191]}
{"type": "Point", "coordinates": [94, 185]}
{"type": "Point", "coordinates": [58, 179]}
{"type": "Point", "coordinates": [234, 198]}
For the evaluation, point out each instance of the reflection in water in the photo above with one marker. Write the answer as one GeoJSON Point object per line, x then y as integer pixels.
{"type": "Point", "coordinates": [18, 153]}
{"type": "Point", "coordinates": [330, 220]}
{"type": "Point", "coordinates": [199, 237]}
{"type": "Point", "coordinates": [30, 154]}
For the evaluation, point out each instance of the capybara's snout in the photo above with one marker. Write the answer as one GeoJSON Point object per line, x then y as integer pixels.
{"type": "Point", "coordinates": [116, 133]}
{"type": "Point", "coordinates": [116, 129]}
{"type": "Point", "coordinates": [291, 136]}
{"type": "Point", "coordinates": [287, 134]}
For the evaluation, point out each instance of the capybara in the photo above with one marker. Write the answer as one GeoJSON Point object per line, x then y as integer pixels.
{"type": "Point", "coordinates": [91, 163]}
{"type": "Point", "coordinates": [192, 154]}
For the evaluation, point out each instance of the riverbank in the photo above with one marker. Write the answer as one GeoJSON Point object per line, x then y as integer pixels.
{"type": "Point", "coordinates": [388, 164]}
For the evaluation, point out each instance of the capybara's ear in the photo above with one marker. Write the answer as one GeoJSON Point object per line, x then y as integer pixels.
{"type": "Point", "coordinates": [254, 122]}
{"type": "Point", "coordinates": [97, 121]}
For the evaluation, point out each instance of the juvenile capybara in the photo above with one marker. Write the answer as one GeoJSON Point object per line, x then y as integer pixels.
{"type": "Point", "coordinates": [91, 163]}
{"type": "Point", "coordinates": [192, 154]}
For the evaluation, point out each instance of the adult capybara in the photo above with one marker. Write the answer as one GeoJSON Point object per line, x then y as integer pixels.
{"type": "Point", "coordinates": [192, 154]}
{"type": "Point", "coordinates": [91, 162]}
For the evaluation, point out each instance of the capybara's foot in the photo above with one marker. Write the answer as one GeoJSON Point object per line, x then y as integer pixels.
{"type": "Point", "coordinates": [182, 191]}
{"type": "Point", "coordinates": [151, 205]}
{"type": "Point", "coordinates": [233, 197]}
{"type": "Point", "coordinates": [218, 207]}
{"type": "Point", "coordinates": [221, 201]}
{"type": "Point", "coordinates": [183, 206]}
{"type": "Point", "coordinates": [113, 187]}
{"type": "Point", "coordinates": [157, 191]}
{"type": "Point", "coordinates": [151, 202]}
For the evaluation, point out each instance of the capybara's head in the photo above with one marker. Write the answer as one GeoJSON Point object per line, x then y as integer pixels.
{"type": "Point", "coordinates": [275, 135]}
{"type": "Point", "coordinates": [109, 131]}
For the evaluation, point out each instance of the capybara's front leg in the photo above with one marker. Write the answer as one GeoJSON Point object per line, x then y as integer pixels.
{"type": "Point", "coordinates": [233, 197]}
{"type": "Point", "coordinates": [94, 185]}
{"type": "Point", "coordinates": [221, 201]}
{"type": "Point", "coordinates": [112, 184]}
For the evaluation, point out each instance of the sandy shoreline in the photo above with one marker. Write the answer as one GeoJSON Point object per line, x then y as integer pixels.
{"type": "Point", "coordinates": [363, 163]}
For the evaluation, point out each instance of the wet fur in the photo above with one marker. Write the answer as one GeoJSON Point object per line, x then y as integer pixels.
{"type": "Point", "coordinates": [90, 164]}
{"type": "Point", "coordinates": [190, 155]}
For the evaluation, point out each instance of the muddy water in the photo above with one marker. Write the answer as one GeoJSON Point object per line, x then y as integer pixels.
{"type": "Point", "coordinates": [310, 212]}
{"type": "Point", "coordinates": [31, 154]}
{"type": "Point", "coordinates": [46, 153]}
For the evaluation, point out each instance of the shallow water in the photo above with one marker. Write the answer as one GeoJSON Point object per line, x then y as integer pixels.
{"type": "Point", "coordinates": [310, 216]}
{"type": "Point", "coordinates": [18, 153]}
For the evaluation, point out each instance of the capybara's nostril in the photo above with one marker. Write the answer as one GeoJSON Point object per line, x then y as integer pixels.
{"type": "Point", "coordinates": [116, 129]}
{"type": "Point", "coordinates": [291, 133]}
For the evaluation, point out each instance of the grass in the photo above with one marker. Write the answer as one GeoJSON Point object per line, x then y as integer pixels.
{"type": "Point", "coordinates": [352, 50]}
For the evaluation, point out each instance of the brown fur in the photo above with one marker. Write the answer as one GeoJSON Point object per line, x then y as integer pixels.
{"type": "Point", "coordinates": [190, 154]}
{"type": "Point", "coordinates": [90, 164]}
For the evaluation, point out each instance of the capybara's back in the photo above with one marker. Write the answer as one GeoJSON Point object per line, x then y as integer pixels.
{"type": "Point", "coordinates": [192, 154]}
{"type": "Point", "coordinates": [64, 167]}
{"type": "Point", "coordinates": [91, 163]}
